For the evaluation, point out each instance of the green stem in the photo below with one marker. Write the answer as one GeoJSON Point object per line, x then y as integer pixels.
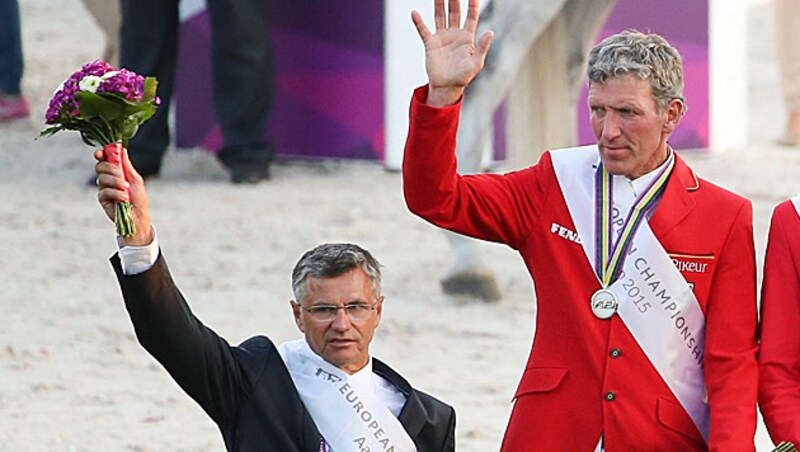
{"type": "Point", "coordinates": [113, 135]}
{"type": "Point", "coordinates": [108, 135]}
{"type": "Point", "coordinates": [123, 219]}
{"type": "Point", "coordinates": [98, 133]}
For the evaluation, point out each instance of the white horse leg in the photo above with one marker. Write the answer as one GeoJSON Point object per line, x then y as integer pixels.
{"type": "Point", "coordinates": [516, 23]}
{"type": "Point", "coordinates": [562, 31]}
{"type": "Point", "coordinates": [542, 114]}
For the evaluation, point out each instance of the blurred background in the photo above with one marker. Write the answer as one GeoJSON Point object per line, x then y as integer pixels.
{"type": "Point", "coordinates": [72, 377]}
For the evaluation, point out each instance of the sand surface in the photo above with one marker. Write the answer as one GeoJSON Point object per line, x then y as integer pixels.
{"type": "Point", "coordinates": [72, 376]}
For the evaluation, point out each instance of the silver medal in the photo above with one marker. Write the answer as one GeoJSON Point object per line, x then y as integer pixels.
{"type": "Point", "coordinates": [604, 304]}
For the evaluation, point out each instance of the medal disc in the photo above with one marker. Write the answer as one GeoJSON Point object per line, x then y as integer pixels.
{"type": "Point", "coordinates": [604, 304]}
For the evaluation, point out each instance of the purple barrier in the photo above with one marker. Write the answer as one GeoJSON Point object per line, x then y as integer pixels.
{"type": "Point", "coordinates": [685, 24]}
{"type": "Point", "coordinates": [329, 80]}
{"type": "Point", "coordinates": [329, 99]}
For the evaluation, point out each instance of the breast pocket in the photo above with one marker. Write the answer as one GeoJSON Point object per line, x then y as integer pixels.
{"type": "Point", "coordinates": [697, 269]}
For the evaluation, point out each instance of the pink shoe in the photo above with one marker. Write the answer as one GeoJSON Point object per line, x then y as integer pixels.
{"type": "Point", "coordinates": [789, 140]}
{"type": "Point", "coordinates": [13, 107]}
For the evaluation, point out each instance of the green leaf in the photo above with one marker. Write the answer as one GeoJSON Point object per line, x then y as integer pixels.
{"type": "Point", "coordinates": [52, 130]}
{"type": "Point", "coordinates": [145, 112]}
{"type": "Point", "coordinates": [131, 109]}
{"type": "Point", "coordinates": [93, 105]}
{"type": "Point", "coordinates": [129, 128]}
{"type": "Point", "coordinates": [149, 90]}
{"type": "Point", "coordinates": [90, 140]}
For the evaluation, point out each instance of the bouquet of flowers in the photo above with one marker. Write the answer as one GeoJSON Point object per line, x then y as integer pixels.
{"type": "Point", "coordinates": [106, 105]}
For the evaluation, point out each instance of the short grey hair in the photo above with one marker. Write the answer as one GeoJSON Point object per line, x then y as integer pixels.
{"type": "Point", "coordinates": [334, 259]}
{"type": "Point", "coordinates": [647, 56]}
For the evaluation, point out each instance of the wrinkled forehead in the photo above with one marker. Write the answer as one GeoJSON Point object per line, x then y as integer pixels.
{"type": "Point", "coordinates": [628, 87]}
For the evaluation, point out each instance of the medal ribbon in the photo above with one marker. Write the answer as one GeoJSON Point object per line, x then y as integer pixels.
{"type": "Point", "coordinates": [664, 345]}
{"type": "Point", "coordinates": [608, 258]}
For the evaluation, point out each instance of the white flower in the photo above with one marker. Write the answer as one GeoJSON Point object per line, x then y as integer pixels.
{"type": "Point", "coordinates": [90, 83]}
{"type": "Point", "coordinates": [108, 75]}
{"type": "Point", "coordinates": [60, 87]}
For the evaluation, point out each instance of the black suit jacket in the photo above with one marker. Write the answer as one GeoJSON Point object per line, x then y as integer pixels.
{"type": "Point", "coordinates": [247, 389]}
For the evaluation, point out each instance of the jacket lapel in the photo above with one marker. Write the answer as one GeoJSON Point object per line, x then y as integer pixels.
{"type": "Point", "coordinates": [676, 202]}
{"type": "Point", "coordinates": [413, 415]}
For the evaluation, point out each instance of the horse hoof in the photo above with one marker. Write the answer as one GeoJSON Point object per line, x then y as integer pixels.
{"type": "Point", "coordinates": [481, 286]}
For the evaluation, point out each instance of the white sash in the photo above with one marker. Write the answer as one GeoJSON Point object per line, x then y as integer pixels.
{"type": "Point", "coordinates": [657, 305]}
{"type": "Point", "coordinates": [347, 414]}
{"type": "Point", "coordinates": [796, 202]}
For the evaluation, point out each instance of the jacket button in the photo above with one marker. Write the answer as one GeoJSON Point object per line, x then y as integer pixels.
{"type": "Point", "coordinates": [610, 396]}
{"type": "Point", "coordinates": [615, 352]}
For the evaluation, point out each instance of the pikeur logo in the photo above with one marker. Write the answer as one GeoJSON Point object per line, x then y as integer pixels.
{"type": "Point", "coordinates": [691, 264]}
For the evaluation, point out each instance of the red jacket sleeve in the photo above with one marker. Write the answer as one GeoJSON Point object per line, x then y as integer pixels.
{"type": "Point", "coordinates": [490, 207]}
{"type": "Point", "coordinates": [779, 360]}
{"type": "Point", "coordinates": [731, 368]}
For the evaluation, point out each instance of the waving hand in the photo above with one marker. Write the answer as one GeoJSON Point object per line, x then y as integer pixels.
{"type": "Point", "coordinates": [452, 57]}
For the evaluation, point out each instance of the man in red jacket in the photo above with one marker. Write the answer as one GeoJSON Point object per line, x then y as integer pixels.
{"type": "Point", "coordinates": [779, 359]}
{"type": "Point", "coordinates": [644, 273]}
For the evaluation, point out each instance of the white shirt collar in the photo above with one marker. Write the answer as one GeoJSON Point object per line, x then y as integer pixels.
{"type": "Point", "coordinates": [363, 375]}
{"type": "Point", "coordinates": [639, 184]}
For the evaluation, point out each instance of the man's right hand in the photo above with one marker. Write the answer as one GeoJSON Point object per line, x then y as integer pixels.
{"type": "Point", "coordinates": [114, 187]}
{"type": "Point", "coordinates": [452, 59]}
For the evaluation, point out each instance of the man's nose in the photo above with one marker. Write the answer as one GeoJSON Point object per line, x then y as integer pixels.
{"type": "Point", "coordinates": [341, 322]}
{"type": "Point", "coordinates": [611, 127]}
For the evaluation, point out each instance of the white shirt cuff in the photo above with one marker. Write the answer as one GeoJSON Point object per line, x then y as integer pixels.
{"type": "Point", "coordinates": [138, 259]}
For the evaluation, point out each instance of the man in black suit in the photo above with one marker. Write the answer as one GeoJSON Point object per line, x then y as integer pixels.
{"type": "Point", "coordinates": [324, 392]}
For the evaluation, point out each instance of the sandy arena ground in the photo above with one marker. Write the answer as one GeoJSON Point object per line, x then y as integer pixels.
{"type": "Point", "coordinates": [73, 378]}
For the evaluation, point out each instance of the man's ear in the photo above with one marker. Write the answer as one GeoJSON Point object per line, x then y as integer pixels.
{"type": "Point", "coordinates": [298, 319]}
{"type": "Point", "coordinates": [675, 111]}
{"type": "Point", "coordinates": [378, 310]}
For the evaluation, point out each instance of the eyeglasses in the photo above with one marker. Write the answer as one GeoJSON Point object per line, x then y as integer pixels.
{"type": "Point", "coordinates": [356, 312]}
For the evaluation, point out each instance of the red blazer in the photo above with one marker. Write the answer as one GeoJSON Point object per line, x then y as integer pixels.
{"type": "Point", "coordinates": [779, 359]}
{"type": "Point", "coordinates": [587, 376]}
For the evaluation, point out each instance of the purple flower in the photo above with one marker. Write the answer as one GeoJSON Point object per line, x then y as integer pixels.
{"type": "Point", "coordinates": [120, 82]}
{"type": "Point", "coordinates": [96, 67]}
{"type": "Point", "coordinates": [124, 83]}
{"type": "Point", "coordinates": [115, 104]}
{"type": "Point", "coordinates": [63, 102]}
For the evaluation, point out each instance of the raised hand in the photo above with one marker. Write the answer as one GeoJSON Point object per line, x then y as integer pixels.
{"type": "Point", "coordinates": [452, 58]}
{"type": "Point", "coordinates": [114, 187]}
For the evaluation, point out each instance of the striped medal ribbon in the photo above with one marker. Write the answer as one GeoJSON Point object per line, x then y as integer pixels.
{"type": "Point", "coordinates": [610, 254]}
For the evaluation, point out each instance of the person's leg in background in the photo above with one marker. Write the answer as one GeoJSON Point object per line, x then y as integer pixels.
{"type": "Point", "coordinates": [787, 47]}
{"type": "Point", "coordinates": [13, 104]}
{"type": "Point", "coordinates": [107, 15]}
{"type": "Point", "coordinates": [243, 85]}
{"type": "Point", "coordinates": [149, 46]}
